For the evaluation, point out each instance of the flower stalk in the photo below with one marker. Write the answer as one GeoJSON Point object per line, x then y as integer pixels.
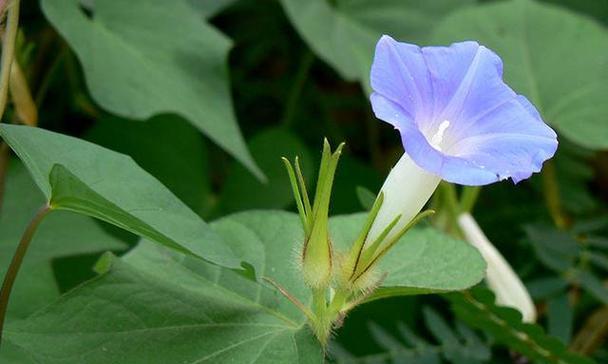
{"type": "Point", "coordinates": [13, 268]}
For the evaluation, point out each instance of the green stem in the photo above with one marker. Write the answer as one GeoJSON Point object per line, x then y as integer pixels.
{"type": "Point", "coordinates": [468, 199]}
{"type": "Point", "coordinates": [321, 325]}
{"type": "Point", "coordinates": [450, 203]}
{"type": "Point", "coordinates": [13, 268]}
{"type": "Point", "coordinates": [319, 302]}
{"type": "Point", "coordinates": [43, 88]}
{"type": "Point", "coordinates": [8, 52]}
{"type": "Point", "coordinates": [452, 207]}
{"type": "Point", "coordinates": [329, 315]}
{"type": "Point", "coordinates": [296, 89]}
{"type": "Point", "coordinates": [551, 195]}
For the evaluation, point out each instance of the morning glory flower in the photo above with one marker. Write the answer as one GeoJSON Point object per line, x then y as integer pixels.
{"type": "Point", "coordinates": [458, 122]}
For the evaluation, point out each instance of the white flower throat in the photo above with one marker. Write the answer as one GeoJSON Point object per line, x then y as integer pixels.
{"type": "Point", "coordinates": [437, 138]}
{"type": "Point", "coordinates": [406, 190]}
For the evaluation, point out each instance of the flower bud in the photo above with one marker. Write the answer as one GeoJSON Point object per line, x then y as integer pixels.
{"type": "Point", "coordinates": [317, 255]}
{"type": "Point", "coordinates": [500, 277]}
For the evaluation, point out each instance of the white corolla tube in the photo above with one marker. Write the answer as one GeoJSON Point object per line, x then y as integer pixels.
{"type": "Point", "coordinates": [500, 277]}
{"type": "Point", "coordinates": [406, 190]}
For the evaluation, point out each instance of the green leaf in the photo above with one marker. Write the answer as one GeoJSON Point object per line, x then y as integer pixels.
{"type": "Point", "coordinates": [159, 306]}
{"type": "Point", "coordinates": [366, 197]}
{"type": "Point", "coordinates": [478, 309]}
{"type": "Point", "coordinates": [345, 34]}
{"type": "Point", "coordinates": [562, 252]}
{"type": "Point", "coordinates": [241, 191]}
{"type": "Point", "coordinates": [167, 147]}
{"type": "Point", "coordinates": [61, 234]}
{"type": "Point", "coordinates": [189, 310]}
{"type": "Point", "coordinates": [537, 43]}
{"type": "Point", "coordinates": [423, 261]}
{"type": "Point", "coordinates": [210, 8]}
{"type": "Point", "coordinates": [556, 249]}
{"type": "Point", "coordinates": [560, 318]}
{"type": "Point", "coordinates": [146, 57]}
{"type": "Point", "coordinates": [546, 287]}
{"type": "Point", "coordinates": [82, 177]}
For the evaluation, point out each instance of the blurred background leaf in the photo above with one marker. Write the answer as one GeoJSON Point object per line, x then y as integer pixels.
{"type": "Point", "coordinates": [537, 42]}
{"type": "Point", "coordinates": [139, 66]}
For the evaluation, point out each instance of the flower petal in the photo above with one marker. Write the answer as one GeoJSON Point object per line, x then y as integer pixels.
{"type": "Point", "coordinates": [399, 73]}
{"type": "Point", "coordinates": [456, 116]}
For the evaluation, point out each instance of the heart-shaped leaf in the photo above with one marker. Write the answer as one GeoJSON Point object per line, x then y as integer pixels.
{"type": "Point", "coordinates": [555, 57]}
{"type": "Point", "coordinates": [146, 57]}
{"type": "Point", "coordinates": [345, 34]}
{"type": "Point", "coordinates": [79, 176]}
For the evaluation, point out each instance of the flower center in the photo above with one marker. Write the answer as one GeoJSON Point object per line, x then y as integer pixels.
{"type": "Point", "coordinates": [438, 137]}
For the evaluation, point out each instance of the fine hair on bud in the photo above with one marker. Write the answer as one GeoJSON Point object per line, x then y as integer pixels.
{"type": "Point", "coordinates": [366, 282]}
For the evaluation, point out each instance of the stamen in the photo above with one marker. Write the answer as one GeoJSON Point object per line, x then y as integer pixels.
{"type": "Point", "coordinates": [438, 137]}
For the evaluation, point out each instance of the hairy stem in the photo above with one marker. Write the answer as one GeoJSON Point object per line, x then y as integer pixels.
{"type": "Point", "coordinates": [13, 268]}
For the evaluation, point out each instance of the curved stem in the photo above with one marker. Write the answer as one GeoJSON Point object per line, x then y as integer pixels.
{"type": "Point", "coordinates": [23, 102]}
{"type": "Point", "coordinates": [297, 87]}
{"type": "Point", "coordinates": [551, 194]}
{"type": "Point", "coordinates": [13, 268]}
{"type": "Point", "coordinates": [8, 50]}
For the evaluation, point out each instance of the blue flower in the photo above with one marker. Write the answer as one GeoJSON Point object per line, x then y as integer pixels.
{"type": "Point", "coordinates": [457, 118]}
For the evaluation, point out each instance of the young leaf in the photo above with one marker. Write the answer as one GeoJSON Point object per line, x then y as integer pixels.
{"type": "Point", "coordinates": [478, 309]}
{"type": "Point", "coordinates": [535, 41]}
{"type": "Point", "coordinates": [146, 57]}
{"type": "Point", "coordinates": [79, 176]}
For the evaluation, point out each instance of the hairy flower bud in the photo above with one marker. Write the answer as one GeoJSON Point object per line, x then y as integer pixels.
{"type": "Point", "coordinates": [317, 255]}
